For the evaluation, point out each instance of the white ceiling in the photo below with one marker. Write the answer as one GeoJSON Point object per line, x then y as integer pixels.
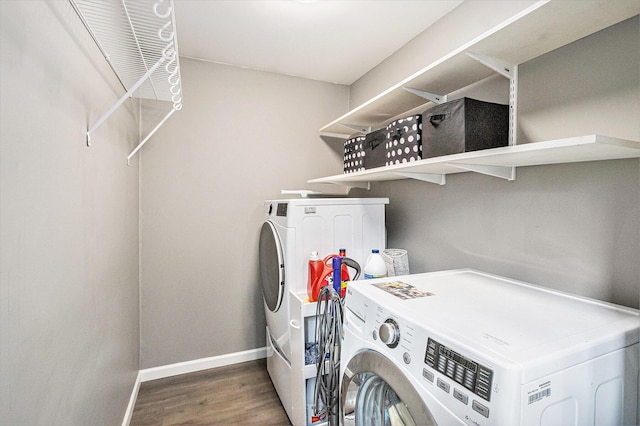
{"type": "Point", "coordinates": [329, 40]}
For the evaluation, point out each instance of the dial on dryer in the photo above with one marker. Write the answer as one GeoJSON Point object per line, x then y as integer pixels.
{"type": "Point", "coordinates": [389, 333]}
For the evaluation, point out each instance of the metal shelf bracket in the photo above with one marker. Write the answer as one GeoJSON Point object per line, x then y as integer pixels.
{"type": "Point", "coordinates": [135, 36]}
{"type": "Point", "coordinates": [357, 128]}
{"type": "Point", "coordinates": [501, 67]}
{"type": "Point", "coordinates": [426, 177]}
{"type": "Point", "coordinates": [137, 148]}
{"type": "Point", "coordinates": [359, 185]}
{"type": "Point", "coordinates": [503, 172]}
{"type": "Point", "coordinates": [124, 97]}
{"type": "Point", "coordinates": [433, 97]}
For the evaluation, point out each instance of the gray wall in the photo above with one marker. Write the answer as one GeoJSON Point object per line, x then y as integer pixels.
{"type": "Point", "coordinates": [201, 211]}
{"type": "Point", "coordinates": [570, 227]}
{"type": "Point", "coordinates": [241, 137]}
{"type": "Point", "coordinates": [69, 336]}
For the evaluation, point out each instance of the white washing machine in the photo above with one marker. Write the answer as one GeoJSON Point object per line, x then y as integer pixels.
{"type": "Point", "coordinates": [292, 230]}
{"type": "Point", "coordinates": [469, 348]}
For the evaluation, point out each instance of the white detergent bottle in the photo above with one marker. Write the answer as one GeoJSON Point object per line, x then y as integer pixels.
{"type": "Point", "coordinates": [375, 267]}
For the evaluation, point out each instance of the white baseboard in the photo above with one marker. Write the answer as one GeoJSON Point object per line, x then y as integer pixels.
{"type": "Point", "coordinates": [132, 401]}
{"type": "Point", "coordinates": [201, 364]}
{"type": "Point", "coordinates": [188, 367]}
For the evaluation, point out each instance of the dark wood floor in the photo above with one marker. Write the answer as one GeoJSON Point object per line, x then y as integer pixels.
{"type": "Point", "coordinates": [236, 394]}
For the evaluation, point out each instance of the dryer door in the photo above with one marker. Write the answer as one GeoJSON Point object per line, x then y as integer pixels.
{"type": "Point", "coordinates": [375, 391]}
{"type": "Point", "coordinates": [271, 266]}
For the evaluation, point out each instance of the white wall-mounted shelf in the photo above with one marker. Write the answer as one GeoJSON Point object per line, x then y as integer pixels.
{"type": "Point", "coordinates": [498, 162]}
{"type": "Point", "coordinates": [541, 28]}
{"type": "Point", "coordinates": [138, 40]}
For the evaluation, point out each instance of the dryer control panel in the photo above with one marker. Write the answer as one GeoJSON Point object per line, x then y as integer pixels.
{"type": "Point", "coordinates": [470, 374]}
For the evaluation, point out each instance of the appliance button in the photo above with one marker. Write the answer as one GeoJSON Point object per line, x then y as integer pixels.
{"type": "Point", "coordinates": [480, 408]}
{"type": "Point", "coordinates": [406, 358]}
{"type": "Point", "coordinates": [460, 396]}
{"type": "Point", "coordinates": [443, 385]}
{"type": "Point", "coordinates": [430, 360]}
{"type": "Point", "coordinates": [427, 375]}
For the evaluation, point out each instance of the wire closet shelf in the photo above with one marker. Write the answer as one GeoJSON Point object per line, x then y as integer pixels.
{"type": "Point", "coordinates": [138, 40]}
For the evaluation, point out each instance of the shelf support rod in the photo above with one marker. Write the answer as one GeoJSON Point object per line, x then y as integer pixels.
{"type": "Point", "coordinates": [123, 98]}
{"type": "Point", "coordinates": [503, 172]}
{"type": "Point", "coordinates": [426, 177]}
{"type": "Point", "coordinates": [155, 129]}
{"type": "Point", "coordinates": [509, 71]}
{"type": "Point", "coordinates": [513, 107]}
{"type": "Point", "coordinates": [433, 97]}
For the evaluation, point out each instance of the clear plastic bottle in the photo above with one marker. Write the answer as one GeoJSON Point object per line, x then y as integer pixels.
{"type": "Point", "coordinates": [375, 267]}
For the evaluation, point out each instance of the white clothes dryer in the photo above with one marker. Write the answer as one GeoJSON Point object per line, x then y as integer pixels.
{"type": "Point", "coordinates": [469, 348]}
{"type": "Point", "coordinates": [292, 230]}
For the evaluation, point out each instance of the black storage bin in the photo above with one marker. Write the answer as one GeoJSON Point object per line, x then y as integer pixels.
{"type": "Point", "coordinates": [354, 154]}
{"type": "Point", "coordinates": [375, 149]}
{"type": "Point", "coordinates": [404, 140]}
{"type": "Point", "coordinates": [464, 125]}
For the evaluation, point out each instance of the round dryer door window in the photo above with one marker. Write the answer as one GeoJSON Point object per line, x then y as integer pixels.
{"type": "Point", "coordinates": [375, 391]}
{"type": "Point", "coordinates": [271, 266]}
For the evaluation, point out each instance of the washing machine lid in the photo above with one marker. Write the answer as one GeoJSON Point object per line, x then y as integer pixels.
{"type": "Point", "coordinates": [375, 391]}
{"type": "Point", "coordinates": [520, 321]}
{"type": "Point", "coordinates": [271, 266]}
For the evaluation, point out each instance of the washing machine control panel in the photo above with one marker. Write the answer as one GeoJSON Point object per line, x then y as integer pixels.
{"type": "Point", "coordinates": [389, 333]}
{"type": "Point", "coordinates": [470, 374]}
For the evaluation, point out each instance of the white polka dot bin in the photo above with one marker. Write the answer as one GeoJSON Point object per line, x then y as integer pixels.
{"type": "Point", "coordinates": [399, 142]}
{"type": "Point", "coordinates": [404, 140]}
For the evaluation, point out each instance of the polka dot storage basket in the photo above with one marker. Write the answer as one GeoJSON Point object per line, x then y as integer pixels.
{"type": "Point", "coordinates": [354, 154]}
{"type": "Point", "coordinates": [404, 140]}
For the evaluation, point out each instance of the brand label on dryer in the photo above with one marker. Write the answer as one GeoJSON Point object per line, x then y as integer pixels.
{"type": "Point", "coordinates": [542, 391]}
{"type": "Point", "coordinates": [309, 210]}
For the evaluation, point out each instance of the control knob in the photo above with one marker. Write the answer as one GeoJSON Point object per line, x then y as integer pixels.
{"type": "Point", "coordinates": [389, 333]}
